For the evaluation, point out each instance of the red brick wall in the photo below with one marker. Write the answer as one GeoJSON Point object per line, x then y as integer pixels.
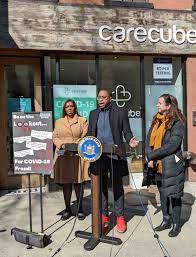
{"type": "Point", "coordinates": [173, 4]}
{"type": "Point", "coordinates": [98, 2]}
{"type": "Point", "coordinates": [191, 106]}
{"type": "Point", "coordinates": [158, 4]}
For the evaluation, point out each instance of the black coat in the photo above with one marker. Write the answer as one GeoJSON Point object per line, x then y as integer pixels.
{"type": "Point", "coordinates": [173, 172]}
{"type": "Point", "coordinates": [120, 127]}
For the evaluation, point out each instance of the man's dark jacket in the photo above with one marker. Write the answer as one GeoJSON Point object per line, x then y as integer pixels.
{"type": "Point", "coordinates": [119, 124]}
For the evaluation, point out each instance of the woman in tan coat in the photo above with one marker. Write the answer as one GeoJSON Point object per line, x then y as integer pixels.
{"type": "Point", "coordinates": [70, 168]}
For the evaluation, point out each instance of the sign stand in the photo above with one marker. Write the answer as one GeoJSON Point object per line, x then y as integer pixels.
{"type": "Point", "coordinates": [41, 203]}
{"type": "Point", "coordinates": [30, 205]}
{"type": "Point", "coordinates": [32, 145]}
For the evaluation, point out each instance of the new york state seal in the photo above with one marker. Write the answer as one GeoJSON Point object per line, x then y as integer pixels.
{"type": "Point", "coordinates": [90, 148]}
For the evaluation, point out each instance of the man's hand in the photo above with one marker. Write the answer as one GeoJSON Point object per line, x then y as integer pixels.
{"type": "Point", "coordinates": [134, 142]}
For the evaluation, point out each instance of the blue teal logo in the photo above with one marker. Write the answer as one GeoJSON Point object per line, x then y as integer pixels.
{"type": "Point", "coordinates": [90, 148]}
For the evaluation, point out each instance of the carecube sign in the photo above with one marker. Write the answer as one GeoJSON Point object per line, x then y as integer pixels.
{"type": "Point", "coordinates": [154, 35]}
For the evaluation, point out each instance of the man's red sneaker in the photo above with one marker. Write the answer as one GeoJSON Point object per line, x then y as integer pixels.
{"type": "Point", "coordinates": [105, 221]}
{"type": "Point", "coordinates": [121, 224]}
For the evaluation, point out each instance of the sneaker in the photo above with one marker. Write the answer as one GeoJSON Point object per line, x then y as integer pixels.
{"type": "Point", "coordinates": [105, 221]}
{"type": "Point", "coordinates": [121, 224]}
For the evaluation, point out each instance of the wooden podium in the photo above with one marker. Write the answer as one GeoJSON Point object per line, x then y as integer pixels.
{"type": "Point", "coordinates": [97, 235]}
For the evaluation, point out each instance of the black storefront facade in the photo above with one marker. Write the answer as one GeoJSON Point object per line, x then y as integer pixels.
{"type": "Point", "coordinates": [60, 51]}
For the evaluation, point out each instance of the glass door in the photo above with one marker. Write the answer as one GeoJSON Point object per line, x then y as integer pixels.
{"type": "Point", "coordinates": [121, 76]}
{"type": "Point", "coordinates": [20, 90]}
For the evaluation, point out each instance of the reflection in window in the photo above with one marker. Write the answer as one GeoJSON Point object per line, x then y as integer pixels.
{"type": "Point", "coordinates": [19, 85]}
{"type": "Point", "coordinates": [153, 90]}
{"type": "Point", "coordinates": [77, 70]}
{"type": "Point", "coordinates": [78, 82]}
{"type": "Point", "coordinates": [121, 76]}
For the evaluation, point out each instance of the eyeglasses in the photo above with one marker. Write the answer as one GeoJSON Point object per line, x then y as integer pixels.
{"type": "Point", "coordinates": [102, 97]}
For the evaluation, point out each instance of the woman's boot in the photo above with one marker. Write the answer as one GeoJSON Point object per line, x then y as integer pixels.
{"type": "Point", "coordinates": [79, 195]}
{"type": "Point", "coordinates": [176, 208]}
{"type": "Point", "coordinates": [166, 223]}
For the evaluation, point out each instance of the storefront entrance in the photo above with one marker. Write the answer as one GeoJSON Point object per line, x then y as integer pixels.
{"type": "Point", "coordinates": [20, 90]}
{"type": "Point", "coordinates": [136, 82]}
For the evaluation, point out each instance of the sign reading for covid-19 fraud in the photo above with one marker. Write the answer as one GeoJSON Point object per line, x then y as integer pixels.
{"type": "Point", "coordinates": [32, 142]}
{"type": "Point", "coordinates": [83, 95]}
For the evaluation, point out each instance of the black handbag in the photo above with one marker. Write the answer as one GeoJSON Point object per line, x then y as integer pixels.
{"type": "Point", "coordinates": [149, 176]}
{"type": "Point", "coordinates": [30, 238]}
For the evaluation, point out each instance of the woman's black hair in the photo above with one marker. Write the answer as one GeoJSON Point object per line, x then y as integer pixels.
{"type": "Point", "coordinates": [75, 107]}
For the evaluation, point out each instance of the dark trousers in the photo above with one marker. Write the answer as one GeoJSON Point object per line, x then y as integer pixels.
{"type": "Point", "coordinates": [176, 204]}
{"type": "Point", "coordinates": [111, 167]}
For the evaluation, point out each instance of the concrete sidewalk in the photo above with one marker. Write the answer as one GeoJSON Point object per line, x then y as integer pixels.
{"type": "Point", "coordinates": [138, 241]}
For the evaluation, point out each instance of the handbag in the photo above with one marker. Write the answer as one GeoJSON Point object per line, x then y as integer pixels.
{"type": "Point", "coordinates": [149, 176]}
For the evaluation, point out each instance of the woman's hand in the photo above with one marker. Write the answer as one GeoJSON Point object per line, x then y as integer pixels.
{"type": "Point", "coordinates": [134, 142]}
{"type": "Point", "coordinates": [150, 164]}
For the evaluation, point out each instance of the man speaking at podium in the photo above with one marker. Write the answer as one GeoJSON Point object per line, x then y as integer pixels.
{"type": "Point", "coordinates": [109, 124]}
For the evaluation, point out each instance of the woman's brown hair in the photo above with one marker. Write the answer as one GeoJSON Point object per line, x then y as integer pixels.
{"type": "Point", "coordinates": [174, 113]}
{"type": "Point", "coordinates": [75, 107]}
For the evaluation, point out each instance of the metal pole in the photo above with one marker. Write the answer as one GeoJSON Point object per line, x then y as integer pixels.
{"type": "Point", "coordinates": [41, 203]}
{"type": "Point", "coordinates": [30, 210]}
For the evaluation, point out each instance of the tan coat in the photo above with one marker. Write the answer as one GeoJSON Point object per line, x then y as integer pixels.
{"type": "Point", "coordinates": [70, 168]}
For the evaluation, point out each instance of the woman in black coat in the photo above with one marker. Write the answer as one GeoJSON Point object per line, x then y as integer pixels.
{"type": "Point", "coordinates": [163, 151]}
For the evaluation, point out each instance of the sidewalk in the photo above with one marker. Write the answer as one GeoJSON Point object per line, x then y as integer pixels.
{"type": "Point", "coordinates": [138, 241]}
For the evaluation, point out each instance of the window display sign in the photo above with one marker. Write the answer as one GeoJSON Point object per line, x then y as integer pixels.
{"type": "Point", "coordinates": [83, 95]}
{"type": "Point", "coordinates": [18, 105]}
{"type": "Point", "coordinates": [32, 143]}
{"type": "Point", "coordinates": [162, 71]}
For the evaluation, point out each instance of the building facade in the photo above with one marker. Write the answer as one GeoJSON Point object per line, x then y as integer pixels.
{"type": "Point", "coordinates": [53, 50]}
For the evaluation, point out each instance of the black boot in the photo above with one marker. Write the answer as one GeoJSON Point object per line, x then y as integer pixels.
{"type": "Point", "coordinates": [66, 214]}
{"type": "Point", "coordinates": [176, 212]}
{"type": "Point", "coordinates": [175, 230]}
{"type": "Point", "coordinates": [81, 215]}
{"type": "Point", "coordinates": [165, 224]}
{"type": "Point", "coordinates": [165, 204]}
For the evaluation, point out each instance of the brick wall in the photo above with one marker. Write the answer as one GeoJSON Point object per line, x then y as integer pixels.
{"type": "Point", "coordinates": [98, 2]}
{"type": "Point", "coordinates": [173, 4]}
{"type": "Point", "coordinates": [158, 4]}
{"type": "Point", "coordinates": [191, 106]}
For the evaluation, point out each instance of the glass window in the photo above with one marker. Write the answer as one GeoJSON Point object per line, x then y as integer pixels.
{"type": "Point", "coordinates": [121, 76]}
{"type": "Point", "coordinates": [162, 75]}
{"type": "Point", "coordinates": [77, 70]}
{"type": "Point", "coordinates": [19, 84]}
{"type": "Point", "coordinates": [77, 82]}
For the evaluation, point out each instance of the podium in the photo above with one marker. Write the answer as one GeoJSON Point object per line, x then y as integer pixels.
{"type": "Point", "coordinates": [97, 235]}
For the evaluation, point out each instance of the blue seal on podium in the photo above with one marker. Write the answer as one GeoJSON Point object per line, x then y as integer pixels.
{"type": "Point", "coordinates": [90, 148]}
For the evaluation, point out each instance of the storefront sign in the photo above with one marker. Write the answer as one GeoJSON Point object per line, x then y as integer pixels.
{"type": "Point", "coordinates": [83, 95]}
{"type": "Point", "coordinates": [154, 35]}
{"type": "Point", "coordinates": [121, 96]}
{"type": "Point", "coordinates": [162, 71]}
{"type": "Point", "coordinates": [32, 142]}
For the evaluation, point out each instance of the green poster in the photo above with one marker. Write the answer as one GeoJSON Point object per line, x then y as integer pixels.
{"type": "Point", "coordinates": [83, 95]}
